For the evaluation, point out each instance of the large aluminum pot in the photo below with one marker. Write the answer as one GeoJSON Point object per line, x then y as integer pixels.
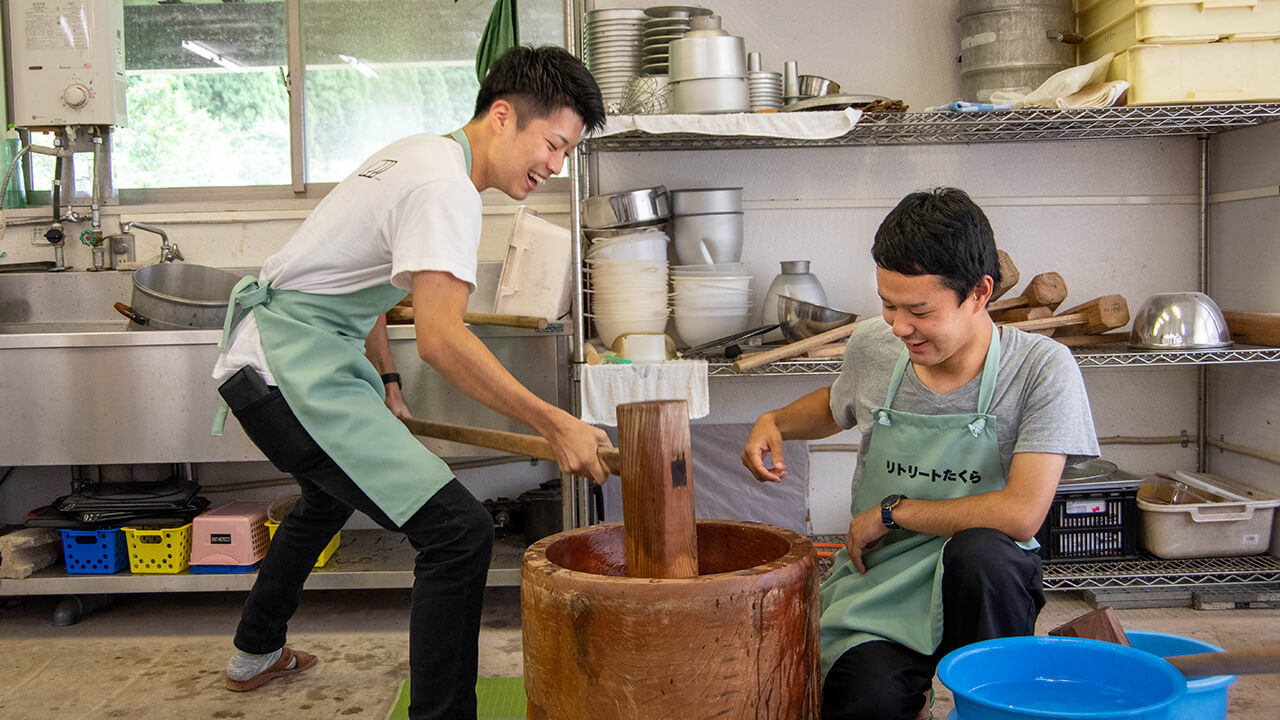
{"type": "Point", "coordinates": [179, 296]}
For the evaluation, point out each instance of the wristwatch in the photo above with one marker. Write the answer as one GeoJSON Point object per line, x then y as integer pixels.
{"type": "Point", "coordinates": [886, 511]}
{"type": "Point", "coordinates": [391, 377]}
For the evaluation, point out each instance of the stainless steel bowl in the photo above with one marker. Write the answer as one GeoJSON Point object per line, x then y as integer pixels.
{"type": "Point", "coordinates": [800, 319]}
{"type": "Point", "coordinates": [1179, 321]}
{"type": "Point", "coordinates": [816, 85]}
{"type": "Point", "coordinates": [644, 206]}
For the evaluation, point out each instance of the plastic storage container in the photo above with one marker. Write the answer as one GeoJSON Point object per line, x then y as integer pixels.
{"type": "Point", "coordinates": [537, 276]}
{"type": "Point", "coordinates": [1206, 697]}
{"type": "Point", "coordinates": [1204, 73]}
{"type": "Point", "coordinates": [95, 552]}
{"type": "Point", "coordinates": [1094, 515]}
{"type": "Point", "coordinates": [1187, 515]}
{"type": "Point", "coordinates": [155, 550]}
{"type": "Point", "coordinates": [325, 554]}
{"type": "Point", "coordinates": [1114, 25]}
{"type": "Point", "coordinates": [231, 534]}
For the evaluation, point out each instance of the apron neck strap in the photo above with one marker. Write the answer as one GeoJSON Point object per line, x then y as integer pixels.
{"type": "Point", "coordinates": [990, 368]}
{"type": "Point", "coordinates": [461, 137]}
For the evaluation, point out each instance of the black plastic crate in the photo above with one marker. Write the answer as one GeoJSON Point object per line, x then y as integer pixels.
{"type": "Point", "coordinates": [1091, 525]}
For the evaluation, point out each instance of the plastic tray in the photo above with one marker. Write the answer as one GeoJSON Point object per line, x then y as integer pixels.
{"type": "Point", "coordinates": [536, 276]}
{"type": "Point", "coordinates": [1203, 516]}
{"type": "Point", "coordinates": [153, 550]}
{"type": "Point", "coordinates": [95, 552]}
{"type": "Point", "coordinates": [325, 554]}
{"type": "Point", "coordinates": [1218, 72]}
{"type": "Point", "coordinates": [231, 534]}
{"type": "Point", "coordinates": [1113, 25]}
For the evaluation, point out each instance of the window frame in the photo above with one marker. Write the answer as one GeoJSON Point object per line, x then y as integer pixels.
{"type": "Point", "coordinates": [288, 197]}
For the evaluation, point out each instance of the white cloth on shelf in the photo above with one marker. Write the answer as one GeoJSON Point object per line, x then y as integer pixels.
{"type": "Point", "coordinates": [605, 387]}
{"type": "Point", "coordinates": [1059, 85]}
{"type": "Point", "coordinates": [816, 125]}
{"type": "Point", "coordinates": [1096, 95]}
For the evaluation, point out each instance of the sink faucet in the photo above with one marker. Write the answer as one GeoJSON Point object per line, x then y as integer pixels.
{"type": "Point", "coordinates": [169, 252]}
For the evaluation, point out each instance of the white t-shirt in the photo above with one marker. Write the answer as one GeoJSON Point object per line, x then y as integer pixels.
{"type": "Point", "coordinates": [410, 207]}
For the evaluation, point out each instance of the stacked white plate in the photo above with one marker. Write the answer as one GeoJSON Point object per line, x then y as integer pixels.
{"type": "Point", "coordinates": [710, 301]}
{"type": "Point", "coordinates": [766, 89]}
{"type": "Point", "coordinates": [627, 277]}
{"type": "Point", "coordinates": [611, 41]}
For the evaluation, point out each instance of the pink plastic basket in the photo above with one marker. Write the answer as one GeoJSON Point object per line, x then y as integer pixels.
{"type": "Point", "coordinates": [232, 534]}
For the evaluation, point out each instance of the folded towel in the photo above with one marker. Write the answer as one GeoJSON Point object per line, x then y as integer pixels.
{"type": "Point", "coordinates": [605, 387]}
{"type": "Point", "coordinates": [1059, 85]}
{"type": "Point", "coordinates": [815, 125]}
{"type": "Point", "coordinates": [1103, 94]}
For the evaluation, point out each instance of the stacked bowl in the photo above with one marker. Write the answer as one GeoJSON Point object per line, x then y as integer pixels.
{"type": "Point", "coordinates": [707, 225]}
{"type": "Point", "coordinates": [766, 90]}
{"type": "Point", "coordinates": [710, 301]}
{"type": "Point", "coordinates": [627, 262]}
{"type": "Point", "coordinates": [708, 70]}
{"type": "Point", "coordinates": [611, 42]}
{"type": "Point", "coordinates": [664, 24]}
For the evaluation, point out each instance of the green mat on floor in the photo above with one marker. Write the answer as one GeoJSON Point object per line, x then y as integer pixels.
{"type": "Point", "coordinates": [499, 698]}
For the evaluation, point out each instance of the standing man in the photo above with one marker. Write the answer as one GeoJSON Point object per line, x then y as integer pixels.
{"type": "Point", "coordinates": [298, 379]}
{"type": "Point", "coordinates": [965, 430]}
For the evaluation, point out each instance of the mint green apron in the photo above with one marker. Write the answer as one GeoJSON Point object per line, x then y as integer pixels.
{"type": "Point", "coordinates": [927, 457]}
{"type": "Point", "coordinates": [314, 345]}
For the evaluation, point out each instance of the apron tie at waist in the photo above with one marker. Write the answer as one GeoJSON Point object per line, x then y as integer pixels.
{"type": "Point", "coordinates": [247, 293]}
{"type": "Point", "coordinates": [883, 419]}
{"type": "Point", "coordinates": [977, 426]}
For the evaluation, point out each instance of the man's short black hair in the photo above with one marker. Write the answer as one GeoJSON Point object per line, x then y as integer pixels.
{"type": "Point", "coordinates": [941, 232]}
{"type": "Point", "coordinates": [540, 81]}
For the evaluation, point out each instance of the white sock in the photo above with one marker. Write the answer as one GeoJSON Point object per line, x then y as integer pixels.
{"type": "Point", "coordinates": [243, 665]}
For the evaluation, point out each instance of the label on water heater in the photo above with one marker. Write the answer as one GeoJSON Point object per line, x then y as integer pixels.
{"type": "Point", "coordinates": [1086, 507]}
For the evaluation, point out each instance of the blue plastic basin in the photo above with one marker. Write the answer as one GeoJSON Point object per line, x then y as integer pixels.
{"type": "Point", "coordinates": [1206, 697]}
{"type": "Point", "coordinates": [1057, 677]}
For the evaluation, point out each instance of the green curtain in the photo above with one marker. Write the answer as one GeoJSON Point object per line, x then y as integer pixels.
{"type": "Point", "coordinates": [501, 33]}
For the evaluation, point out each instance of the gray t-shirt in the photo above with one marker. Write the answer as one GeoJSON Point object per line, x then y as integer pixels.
{"type": "Point", "coordinates": [1039, 402]}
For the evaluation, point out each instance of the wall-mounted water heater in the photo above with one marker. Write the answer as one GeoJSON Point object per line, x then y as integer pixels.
{"type": "Point", "coordinates": [67, 62]}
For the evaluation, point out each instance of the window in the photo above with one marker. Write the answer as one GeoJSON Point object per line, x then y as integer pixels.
{"type": "Point", "coordinates": [207, 101]}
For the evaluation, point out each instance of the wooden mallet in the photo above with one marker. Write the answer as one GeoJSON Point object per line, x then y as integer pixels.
{"type": "Point", "coordinates": [1047, 289]}
{"type": "Point", "coordinates": [657, 479]}
{"type": "Point", "coordinates": [1009, 275]}
{"type": "Point", "coordinates": [1092, 318]}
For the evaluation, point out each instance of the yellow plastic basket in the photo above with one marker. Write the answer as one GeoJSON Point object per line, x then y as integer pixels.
{"type": "Point", "coordinates": [325, 554]}
{"type": "Point", "coordinates": [153, 550]}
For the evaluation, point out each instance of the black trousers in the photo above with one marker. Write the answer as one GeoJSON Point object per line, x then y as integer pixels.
{"type": "Point", "coordinates": [452, 534]}
{"type": "Point", "coordinates": [990, 588]}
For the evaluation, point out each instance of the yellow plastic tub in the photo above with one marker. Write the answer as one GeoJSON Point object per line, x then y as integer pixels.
{"type": "Point", "coordinates": [1113, 25]}
{"type": "Point", "coordinates": [163, 551]}
{"type": "Point", "coordinates": [325, 554]}
{"type": "Point", "coordinates": [1209, 73]}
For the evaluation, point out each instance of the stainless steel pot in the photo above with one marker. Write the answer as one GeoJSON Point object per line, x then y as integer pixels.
{"type": "Point", "coordinates": [179, 296]}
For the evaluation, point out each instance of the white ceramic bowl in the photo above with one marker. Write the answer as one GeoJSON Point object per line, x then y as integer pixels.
{"type": "Point", "coordinates": [609, 328]}
{"type": "Point", "coordinates": [646, 246]}
{"type": "Point", "coordinates": [698, 329]}
{"type": "Point", "coordinates": [714, 238]}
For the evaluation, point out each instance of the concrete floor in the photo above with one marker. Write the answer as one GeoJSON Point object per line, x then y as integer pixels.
{"type": "Point", "coordinates": [162, 656]}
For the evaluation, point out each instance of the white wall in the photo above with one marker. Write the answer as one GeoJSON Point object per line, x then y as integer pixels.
{"type": "Point", "coordinates": [1244, 266]}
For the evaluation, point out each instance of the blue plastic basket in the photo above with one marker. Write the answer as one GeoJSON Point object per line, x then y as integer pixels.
{"type": "Point", "coordinates": [95, 552]}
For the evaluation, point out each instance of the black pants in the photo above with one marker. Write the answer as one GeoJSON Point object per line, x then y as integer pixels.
{"type": "Point", "coordinates": [452, 533]}
{"type": "Point", "coordinates": [990, 588]}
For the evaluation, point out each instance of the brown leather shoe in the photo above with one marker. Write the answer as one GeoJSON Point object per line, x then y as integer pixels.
{"type": "Point", "coordinates": [280, 667]}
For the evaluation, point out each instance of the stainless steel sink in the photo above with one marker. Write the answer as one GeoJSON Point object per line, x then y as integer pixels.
{"type": "Point", "coordinates": [104, 391]}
